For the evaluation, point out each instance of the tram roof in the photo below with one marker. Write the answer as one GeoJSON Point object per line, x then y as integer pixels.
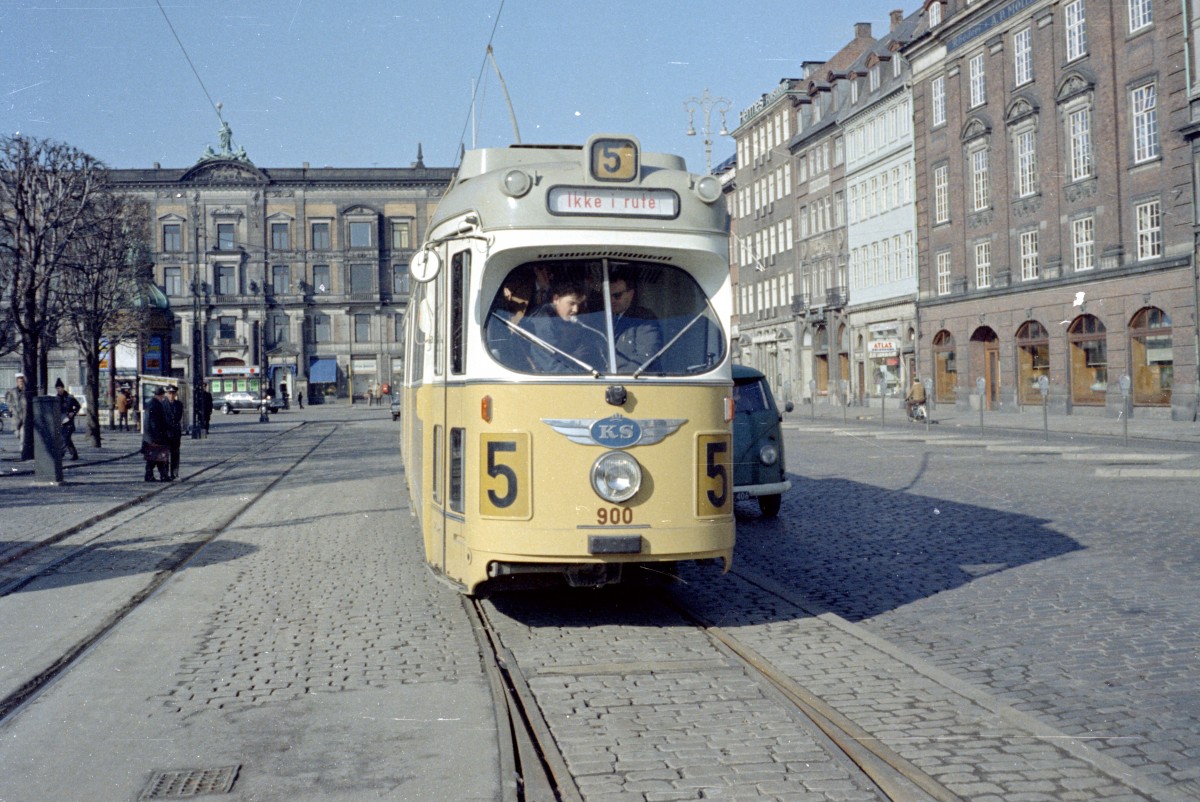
{"type": "Point", "coordinates": [479, 189]}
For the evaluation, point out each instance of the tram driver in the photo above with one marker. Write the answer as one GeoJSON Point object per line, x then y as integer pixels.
{"type": "Point", "coordinates": [635, 328]}
{"type": "Point", "coordinates": [566, 342]}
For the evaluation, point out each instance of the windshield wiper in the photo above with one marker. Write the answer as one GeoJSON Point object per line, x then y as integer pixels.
{"type": "Point", "coordinates": [642, 367]}
{"type": "Point", "coordinates": [533, 338]}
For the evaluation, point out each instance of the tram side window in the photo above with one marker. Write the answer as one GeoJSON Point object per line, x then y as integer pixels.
{"type": "Point", "coordinates": [605, 317]}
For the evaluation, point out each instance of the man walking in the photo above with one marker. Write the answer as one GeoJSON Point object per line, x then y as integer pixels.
{"type": "Point", "coordinates": [204, 406]}
{"type": "Point", "coordinates": [154, 434]}
{"type": "Point", "coordinates": [15, 398]}
{"type": "Point", "coordinates": [122, 406]}
{"type": "Point", "coordinates": [174, 427]}
{"type": "Point", "coordinates": [68, 408]}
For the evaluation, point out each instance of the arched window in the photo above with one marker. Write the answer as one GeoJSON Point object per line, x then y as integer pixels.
{"type": "Point", "coordinates": [821, 358]}
{"type": "Point", "coordinates": [1033, 360]}
{"type": "Point", "coordinates": [945, 368]}
{"type": "Point", "coordinates": [1151, 357]}
{"type": "Point", "coordinates": [1089, 360]}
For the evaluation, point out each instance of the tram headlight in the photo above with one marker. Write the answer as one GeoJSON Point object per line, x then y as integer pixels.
{"type": "Point", "coordinates": [517, 183]}
{"type": "Point", "coordinates": [708, 189]}
{"type": "Point", "coordinates": [616, 476]}
{"type": "Point", "coordinates": [768, 454]}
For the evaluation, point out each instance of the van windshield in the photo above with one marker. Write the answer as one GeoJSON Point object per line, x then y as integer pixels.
{"type": "Point", "coordinates": [603, 318]}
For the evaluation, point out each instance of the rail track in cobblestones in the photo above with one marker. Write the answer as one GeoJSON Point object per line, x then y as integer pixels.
{"type": "Point", "coordinates": [861, 764]}
{"type": "Point", "coordinates": [529, 756]}
{"type": "Point", "coordinates": [107, 531]}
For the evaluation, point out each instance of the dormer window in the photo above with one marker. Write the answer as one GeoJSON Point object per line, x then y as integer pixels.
{"type": "Point", "coordinates": [935, 14]}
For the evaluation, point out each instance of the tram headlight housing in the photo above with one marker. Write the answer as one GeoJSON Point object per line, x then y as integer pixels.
{"type": "Point", "coordinates": [708, 189]}
{"type": "Point", "coordinates": [517, 183]}
{"type": "Point", "coordinates": [616, 476]}
{"type": "Point", "coordinates": [768, 454]}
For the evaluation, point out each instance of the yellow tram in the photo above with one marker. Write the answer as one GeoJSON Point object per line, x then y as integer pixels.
{"type": "Point", "coordinates": [567, 389]}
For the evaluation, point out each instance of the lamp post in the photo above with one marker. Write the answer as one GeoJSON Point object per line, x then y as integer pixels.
{"type": "Point", "coordinates": [263, 415]}
{"type": "Point", "coordinates": [197, 357]}
{"type": "Point", "coordinates": [706, 104]}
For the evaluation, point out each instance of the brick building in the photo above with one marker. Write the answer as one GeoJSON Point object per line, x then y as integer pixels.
{"type": "Point", "coordinates": [1056, 204]}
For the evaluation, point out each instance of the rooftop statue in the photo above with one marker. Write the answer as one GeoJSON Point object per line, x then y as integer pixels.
{"type": "Point", "coordinates": [226, 144]}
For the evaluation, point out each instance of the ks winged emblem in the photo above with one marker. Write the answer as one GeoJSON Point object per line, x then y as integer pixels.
{"type": "Point", "coordinates": [616, 431]}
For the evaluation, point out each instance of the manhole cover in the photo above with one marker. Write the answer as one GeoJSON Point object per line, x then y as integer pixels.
{"type": "Point", "coordinates": [190, 782]}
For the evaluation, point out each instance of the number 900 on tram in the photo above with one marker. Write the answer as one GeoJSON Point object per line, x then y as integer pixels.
{"type": "Point", "coordinates": [567, 388]}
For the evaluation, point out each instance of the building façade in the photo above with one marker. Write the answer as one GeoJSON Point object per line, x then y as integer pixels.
{"type": "Point", "coordinates": [1055, 204]}
{"type": "Point", "coordinates": [300, 272]}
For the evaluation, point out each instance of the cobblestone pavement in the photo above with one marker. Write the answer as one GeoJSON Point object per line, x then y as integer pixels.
{"type": "Point", "coordinates": [1065, 595]}
{"type": "Point", "coordinates": [308, 646]}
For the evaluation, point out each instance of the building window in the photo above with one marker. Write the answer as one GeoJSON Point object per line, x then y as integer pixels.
{"type": "Point", "coordinates": [172, 237]}
{"type": "Point", "coordinates": [279, 329]}
{"type": "Point", "coordinates": [1029, 256]}
{"type": "Point", "coordinates": [937, 95]}
{"type": "Point", "coordinates": [281, 280]}
{"type": "Point", "coordinates": [173, 281]}
{"type": "Point", "coordinates": [398, 327]}
{"type": "Point", "coordinates": [935, 15]}
{"type": "Point", "coordinates": [401, 235]}
{"type": "Point", "coordinates": [322, 329]}
{"type": "Point", "coordinates": [1023, 56]}
{"type": "Point", "coordinates": [943, 273]}
{"type": "Point", "coordinates": [1027, 170]}
{"type": "Point", "coordinates": [941, 194]}
{"type": "Point", "coordinates": [1033, 360]}
{"type": "Point", "coordinates": [873, 77]}
{"type": "Point", "coordinates": [225, 237]}
{"type": "Point", "coordinates": [280, 238]}
{"type": "Point", "coordinates": [979, 178]}
{"type": "Point", "coordinates": [1083, 243]}
{"type": "Point", "coordinates": [1152, 357]}
{"type": "Point", "coordinates": [360, 278]}
{"type": "Point", "coordinates": [1089, 360]}
{"type": "Point", "coordinates": [1145, 123]}
{"type": "Point", "coordinates": [227, 283]}
{"type": "Point", "coordinates": [1079, 129]}
{"type": "Point", "coordinates": [320, 237]}
{"type": "Point", "coordinates": [361, 235]}
{"type": "Point", "coordinates": [227, 327]}
{"type": "Point", "coordinates": [1076, 29]}
{"type": "Point", "coordinates": [321, 283]}
{"type": "Point", "coordinates": [362, 328]}
{"type": "Point", "coordinates": [1141, 14]}
{"type": "Point", "coordinates": [399, 280]}
{"type": "Point", "coordinates": [1149, 230]}
{"type": "Point", "coordinates": [983, 265]}
{"type": "Point", "coordinates": [978, 79]}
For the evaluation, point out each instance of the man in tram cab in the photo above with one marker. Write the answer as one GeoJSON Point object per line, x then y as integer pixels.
{"type": "Point", "coordinates": [635, 328]}
{"type": "Point", "coordinates": [557, 324]}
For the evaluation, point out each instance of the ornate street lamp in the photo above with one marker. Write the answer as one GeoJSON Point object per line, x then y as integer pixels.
{"type": "Point", "coordinates": [263, 414]}
{"type": "Point", "coordinates": [706, 104]}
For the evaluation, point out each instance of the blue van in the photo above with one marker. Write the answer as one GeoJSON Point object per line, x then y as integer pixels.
{"type": "Point", "coordinates": [758, 467]}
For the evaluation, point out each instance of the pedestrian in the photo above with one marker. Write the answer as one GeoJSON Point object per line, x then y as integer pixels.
{"type": "Point", "coordinates": [68, 408]}
{"type": "Point", "coordinates": [155, 448]}
{"type": "Point", "coordinates": [204, 406]}
{"type": "Point", "coordinates": [283, 395]}
{"type": "Point", "coordinates": [122, 405]}
{"type": "Point", "coordinates": [174, 427]}
{"type": "Point", "coordinates": [300, 398]}
{"type": "Point", "coordinates": [15, 398]}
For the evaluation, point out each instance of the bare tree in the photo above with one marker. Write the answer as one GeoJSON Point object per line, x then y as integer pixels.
{"type": "Point", "coordinates": [105, 268]}
{"type": "Point", "coordinates": [45, 190]}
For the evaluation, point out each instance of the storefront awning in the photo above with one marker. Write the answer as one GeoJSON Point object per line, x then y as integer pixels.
{"type": "Point", "coordinates": [323, 371]}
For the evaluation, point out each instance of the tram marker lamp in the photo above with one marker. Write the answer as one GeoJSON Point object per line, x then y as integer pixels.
{"type": "Point", "coordinates": [708, 189]}
{"type": "Point", "coordinates": [485, 408]}
{"type": "Point", "coordinates": [616, 476]}
{"type": "Point", "coordinates": [517, 183]}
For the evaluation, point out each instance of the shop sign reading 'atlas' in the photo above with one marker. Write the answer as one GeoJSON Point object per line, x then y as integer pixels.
{"type": "Point", "coordinates": [613, 202]}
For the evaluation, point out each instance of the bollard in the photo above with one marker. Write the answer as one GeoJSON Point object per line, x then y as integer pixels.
{"type": "Point", "coordinates": [47, 439]}
{"type": "Point", "coordinates": [981, 385]}
{"type": "Point", "coordinates": [928, 382]}
{"type": "Point", "coordinates": [1124, 384]}
{"type": "Point", "coordinates": [1044, 389]}
{"type": "Point", "coordinates": [845, 399]}
{"type": "Point", "coordinates": [882, 404]}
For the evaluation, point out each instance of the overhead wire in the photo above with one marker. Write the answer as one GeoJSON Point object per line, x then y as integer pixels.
{"type": "Point", "coordinates": [478, 78]}
{"type": "Point", "coordinates": [215, 106]}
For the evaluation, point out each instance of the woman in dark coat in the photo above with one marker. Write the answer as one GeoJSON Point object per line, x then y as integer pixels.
{"type": "Point", "coordinates": [157, 432]}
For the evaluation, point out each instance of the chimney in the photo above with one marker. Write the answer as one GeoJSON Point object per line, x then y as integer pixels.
{"type": "Point", "coordinates": [862, 30]}
{"type": "Point", "coordinates": [897, 18]}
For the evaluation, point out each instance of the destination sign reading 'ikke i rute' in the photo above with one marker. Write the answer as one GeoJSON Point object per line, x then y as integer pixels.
{"type": "Point", "coordinates": [613, 202]}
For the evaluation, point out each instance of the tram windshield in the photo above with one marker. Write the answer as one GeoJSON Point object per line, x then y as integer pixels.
{"type": "Point", "coordinates": [603, 318]}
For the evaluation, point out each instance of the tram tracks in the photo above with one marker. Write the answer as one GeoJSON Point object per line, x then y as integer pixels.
{"type": "Point", "coordinates": [25, 569]}
{"type": "Point", "coordinates": [539, 762]}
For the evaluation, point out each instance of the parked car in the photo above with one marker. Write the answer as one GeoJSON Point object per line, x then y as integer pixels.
{"type": "Point", "coordinates": [395, 406]}
{"type": "Point", "coordinates": [235, 402]}
{"type": "Point", "coordinates": [758, 465]}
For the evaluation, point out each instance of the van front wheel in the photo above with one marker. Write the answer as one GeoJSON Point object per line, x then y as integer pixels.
{"type": "Point", "coordinates": [769, 505]}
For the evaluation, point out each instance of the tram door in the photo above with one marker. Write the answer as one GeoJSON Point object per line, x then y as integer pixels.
{"type": "Point", "coordinates": [454, 547]}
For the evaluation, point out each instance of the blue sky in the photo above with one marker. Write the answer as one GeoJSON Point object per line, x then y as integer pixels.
{"type": "Point", "coordinates": [360, 84]}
